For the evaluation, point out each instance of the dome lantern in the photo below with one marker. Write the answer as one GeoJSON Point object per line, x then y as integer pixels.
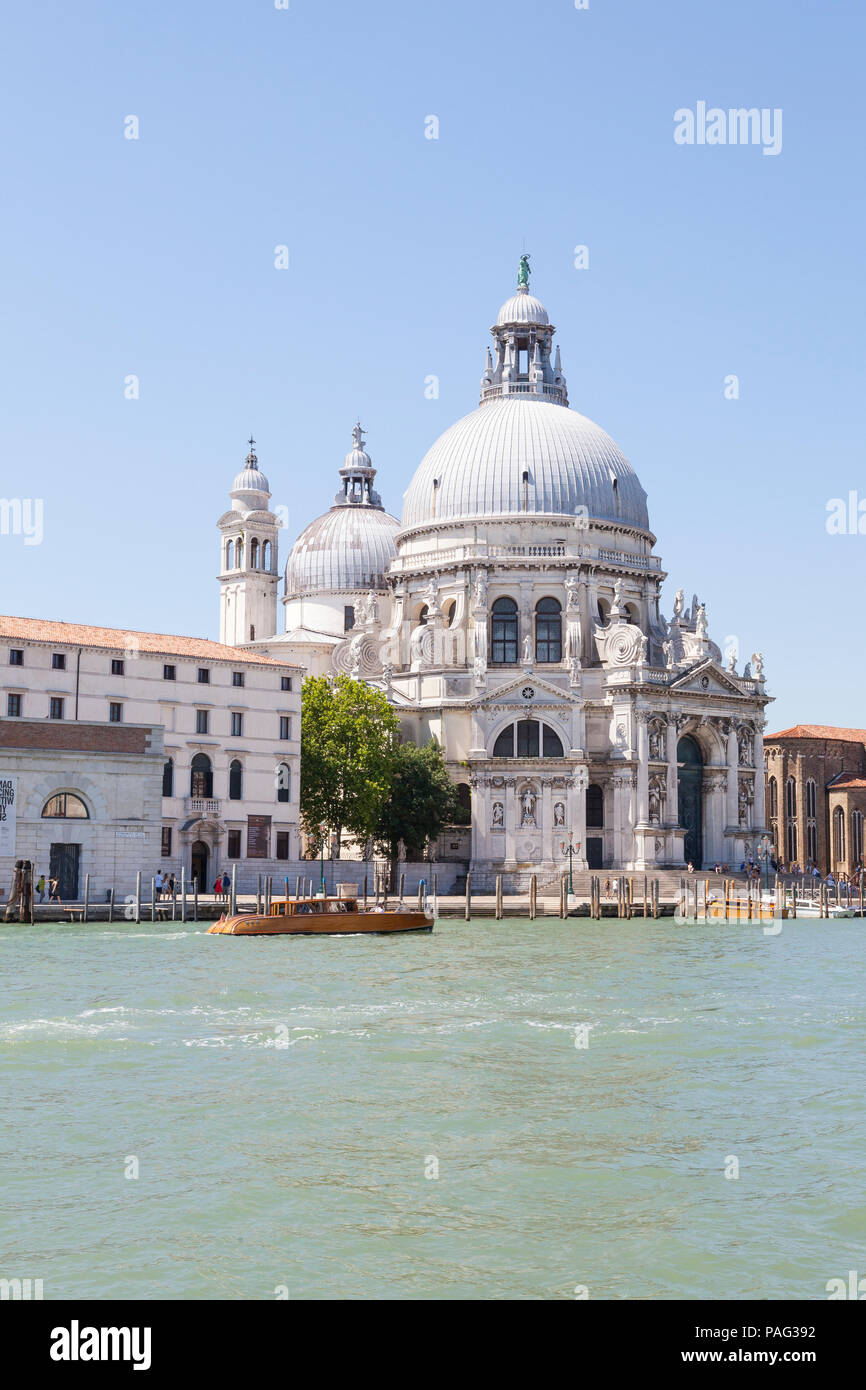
{"type": "Point", "coordinates": [523, 336]}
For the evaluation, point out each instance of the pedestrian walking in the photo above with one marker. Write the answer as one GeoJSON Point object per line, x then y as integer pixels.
{"type": "Point", "coordinates": [40, 887]}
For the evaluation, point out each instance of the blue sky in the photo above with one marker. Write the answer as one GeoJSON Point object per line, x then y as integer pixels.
{"type": "Point", "coordinates": [261, 127]}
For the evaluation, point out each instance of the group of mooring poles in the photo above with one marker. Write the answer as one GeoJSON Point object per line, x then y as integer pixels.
{"type": "Point", "coordinates": [629, 903]}
{"type": "Point", "coordinates": [174, 906]}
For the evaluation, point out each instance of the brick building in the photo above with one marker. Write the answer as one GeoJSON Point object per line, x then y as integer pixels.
{"type": "Point", "coordinates": [816, 795]}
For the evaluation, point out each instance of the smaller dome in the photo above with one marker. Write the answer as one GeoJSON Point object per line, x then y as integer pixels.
{"type": "Point", "coordinates": [357, 458]}
{"type": "Point", "coordinates": [251, 478]}
{"type": "Point", "coordinates": [522, 307]}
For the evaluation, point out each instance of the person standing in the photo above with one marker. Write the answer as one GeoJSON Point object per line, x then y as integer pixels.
{"type": "Point", "coordinates": [54, 890]}
{"type": "Point", "coordinates": [40, 887]}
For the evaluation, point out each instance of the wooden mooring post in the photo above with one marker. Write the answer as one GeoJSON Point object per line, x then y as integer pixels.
{"type": "Point", "coordinates": [498, 909]}
{"type": "Point", "coordinates": [86, 897]}
{"type": "Point", "coordinates": [138, 896]}
{"type": "Point", "coordinates": [563, 892]}
{"type": "Point", "coordinates": [533, 890]}
{"type": "Point", "coordinates": [111, 904]}
{"type": "Point", "coordinates": [153, 900]}
{"type": "Point", "coordinates": [467, 911]}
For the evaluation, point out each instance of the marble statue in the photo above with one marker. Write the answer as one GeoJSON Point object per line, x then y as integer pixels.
{"type": "Point", "coordinates": [701, 621]}
{"type": "Point", "coordinates": [559, 813]}
{"type": "Point", "coordinates": [679, 600]}
{"type": "Point", "coordinates": [481, 589]}
{"type": "Point", "coordinates": [527, 649]}
{"type": "Point", "coordinates": [527, 808]}
{"type": "Point", "coordinates": [732, 660]}
{"type": "Point", "coordinates": [758, 664]}
{"type": "Point", "coordinates": [498, 815]}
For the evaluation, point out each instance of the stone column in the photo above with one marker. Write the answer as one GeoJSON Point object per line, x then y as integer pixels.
{"type": "Point", "coordinates": [642, 717]}
{"type": "Point", "coordinates": [575, 812]}
{"type": "Point", "coordinates": [672, 811]}
{"type": "Point", "coordinates": [545, 821]}
{"type": "Point", "coordinates": [732, 809]}
{"type": "Point", "coordinates": [759, 810]}
{"type": "Point", "coordinates": [714, 812]}
{"type": "Point", "coordinates": [510, 819]}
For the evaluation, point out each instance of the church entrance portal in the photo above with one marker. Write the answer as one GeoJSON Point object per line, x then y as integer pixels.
{"type": "Point", "coordinates": [690, 777]}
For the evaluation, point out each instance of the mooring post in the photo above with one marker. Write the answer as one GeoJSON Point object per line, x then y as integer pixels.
{"type": "Point", "coordinates": [533, 888]}
{"type": "Point", "coordinates": [234, 892]}
{"type": "Point", "coordinates": [153, 900]}
{"type": "Point", "coordinates": [86, 897]}
{"type": "Point", "coordinates": [258, 895]}
{"type": "Point", "coordinates": [138, 896]}
{"type": "Point", "coordinates": [467, 912]}
{"type": "Point", "coordinates": [420, 895]}
{"type": "Point", "coordinates": [498, 908]}
{"type": "Point", "coordinates": [195, 899]}
{"type": "Point", "coordinates": [435, 885]}
{"type": "Point", "coordinates": [111, 904]}
{"type": "Point", "coordinates": [182, 894]}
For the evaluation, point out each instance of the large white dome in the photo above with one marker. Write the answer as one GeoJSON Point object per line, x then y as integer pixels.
{"type": "Point", "coordinates": [478, 466]}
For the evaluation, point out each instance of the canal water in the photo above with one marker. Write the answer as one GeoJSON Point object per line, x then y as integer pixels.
{"type": "Point", "coordinates": [504, 1109]}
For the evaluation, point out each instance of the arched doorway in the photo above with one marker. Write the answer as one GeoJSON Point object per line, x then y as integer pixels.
{"type": "Point", "coordinates": [690, 779]}
{"type": "Point", "coordinates": [198, 863]}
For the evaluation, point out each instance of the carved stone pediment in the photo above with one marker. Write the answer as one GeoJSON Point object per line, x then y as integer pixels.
{"type": "Point", "coordinates": [524, 692]}
{"type": "Point", "coordinates": [708, 679]}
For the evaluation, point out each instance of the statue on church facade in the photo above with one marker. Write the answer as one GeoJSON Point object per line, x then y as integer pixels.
{"type": "Point", "coordinates": [679, 600]}
{"type": "Point", "coordinates": [527, 808]}
{"type": "Point", "coordinates": [523, 272]}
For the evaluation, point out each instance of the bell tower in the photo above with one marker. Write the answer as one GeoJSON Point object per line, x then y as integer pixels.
{"type": "Point", "coordinates": [249, 574]}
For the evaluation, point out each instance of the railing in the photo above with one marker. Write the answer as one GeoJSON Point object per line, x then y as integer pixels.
{"type": "Point", "coordinates": [202, 806]}
{"type": "Point", "coordinates": [495, 551]}
{"type": "Point", "coordinates": [624, 557]}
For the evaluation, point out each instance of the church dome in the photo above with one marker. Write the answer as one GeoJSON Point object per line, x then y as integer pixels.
{"type": "Point", "coordinates": [478, 468]}
{"type": "Point", "coordinates": [348, 548]}
{"type": "Point", "coordinates": [522, 307]}
{"type": "Point", "coordinates": [251, 478]}
{"type": "Point", "coordinates": [351, 546]}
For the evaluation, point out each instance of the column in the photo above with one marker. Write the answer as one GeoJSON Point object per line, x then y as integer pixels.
{"type": "Point", "coordinates": [759, 810]}
{"type": "Point", "coordinates": [510, 819]}
{"type": "Point", "coordinates": [672, 811]}
{"type": "Point", "coordinates": [575, 813]}
{"type": "Point", "coordinates": [642, 717]}
{"type": "Point", "coordinates": [549, 832]}
{"type": "Point", "coordinates": [732, 810]}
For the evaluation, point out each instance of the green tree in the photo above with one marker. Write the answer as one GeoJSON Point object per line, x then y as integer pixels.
{"type": "Point", "coordinates": [348, 736]}
{"type": "Point", "coordinates": [423, 799]}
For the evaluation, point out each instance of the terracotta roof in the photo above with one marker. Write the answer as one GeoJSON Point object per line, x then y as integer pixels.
{"type": "Point", "coordinates": [820, 731]}
{"type": "Point", "coordinates": [846, 779]}
{"type": "Point", "coordinates": [122, 639]}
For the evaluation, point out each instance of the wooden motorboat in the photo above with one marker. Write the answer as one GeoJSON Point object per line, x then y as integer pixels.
{"type": "Point", "coordinates": [322, 915]}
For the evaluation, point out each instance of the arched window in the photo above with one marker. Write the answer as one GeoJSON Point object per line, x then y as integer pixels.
{"type": "Point", "coordinates": [595, 807]}
{"type": "Point", "coordinates": [449, 609]}
{"type": "Point", "coordinates": [856, 838]}
{"type": "Point", "coordinates": [774, 797]}
{"type": "Point", "coordinates": [201, 776]}
{"type": "Point", "coordinates": [65, 806]}
{"type": "Point", "coordinates": [810, 797]}
{"type": "Point", "coordinates": [168, 777]}
{"type": "Point", "coordinates": [548, 630]}
{"type": "Point", "coordinates": [812, 843]}
{"type": "Point", "coordinates": [504, 632]}
{"type": "Point", "coordinates": [236, 780]}
{"type": "Point", "coordinates": [791, 841]}
{"type": "Point", "coordinates": [266, 555]}
{"type": "Point", "coordinates": [254, 554]}
{"type": "Point", "coordinates": [790, 797]}
{"type": "Point", "coordinates": [239, 555]}
{"type": "Point", "coordinates": [422, 616]}
{"type": "Point", "coordinates": [839, 834]}
{"type": "Point", "coordinates": [528, 738]}
{"type": "Point", "coordinates": [603, 612]}
{"type": "Point", "coordinates": [230, 555]}
{"type": "Point", "coordinates": [284, 782]}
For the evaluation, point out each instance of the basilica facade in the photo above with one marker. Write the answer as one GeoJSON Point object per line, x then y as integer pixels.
{"type": "Point", "coordinates": [514, 613]}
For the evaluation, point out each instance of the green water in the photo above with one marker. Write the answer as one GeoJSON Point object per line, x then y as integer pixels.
{"type": "Point", "coordinates": [285, 1099]}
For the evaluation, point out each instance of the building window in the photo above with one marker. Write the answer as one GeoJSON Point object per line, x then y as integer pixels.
{"type": "Point", "coordinates": [169, 673]}
{"type": "Point", "coordinates": [168, 777]}
{"type": "Point", "coordinates": [237, 724]}
{"type": "Point", "coordinates": [230, 555]}
{"type": "Point", "coordinates": [531, 740]}
{"type": "Point", "coordinates": [116, 667]}
{"type": "Point", "coordinates": [254, 554]}
{"type": "Point", "coordinates": [201, 721]}
{"type": "Point", "coordinates": [284, 782]}
{"type": "Point", "coordinates": [504, 630]}
{"type": "Point", "coordinates": [16, 656]}
{"type": "Point", "coordinates": [548, 630]}
{"type": "Point", "coordinates": [810, 798]}
{"type": "Point", "coordinates": [166, 841]}
{"type": "Point", "coordinates": [58, 661]}
{"type": "Point", "coordinates": [285, 727]}
{"type": "Point", "coordinates": [266, 555]}
{"type": "Point", "coordinates": [234, 844]}
{"type": "Point", "coordinates": [790, 797]}
{"type": "Point", "coordinates": [65, 806]}
{"type": "Point", "coordinates": [13, 706]}
{"type": "Point", "coordinates": [282, 844]}
{"type": "Point", "coordinates": [55, 708]}
{"type": "Point", "coordinates": [812, 842]}
{"type": "Point", "coordinates": [856, 838]}
{"type": "Point", "coordinates": [839, 834]}
{"type": "Point", "coordinates": [285, 682]}
{"type": "Point", "coordinates": [237, 678]}
{"type": "Point", "coordinates": [115, 712]}
{"type": "Point", "coordinates": [239, 555]}
{"type": "Point", "coordinates": [595, 807]}
{"type": "Point", "coordinates": [791, 842]}
{"type": "Point", "coordinates": [348, 617]}
{"type": "Point", "coordinates": [774, 797]}
{"type": "Point", "coordinates": [236, 779]}
{"type": "Point", "coordinates": [203, 675]}
{"type": "Point", "coordinates": [201, 776]}
{"type": "Point", "coordinates": [252, 632]}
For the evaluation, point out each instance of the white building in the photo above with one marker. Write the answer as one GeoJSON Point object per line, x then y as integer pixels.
{"type": "Point", "coordinates": [226, 723]}
{"type": "Point", "coordinates": [514, 614]}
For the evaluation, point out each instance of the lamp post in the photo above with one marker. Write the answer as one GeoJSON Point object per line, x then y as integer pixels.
{"type": "Point", "coordinates": [323, 830]}
{"type": "Point", "coordinates": [570, 848]}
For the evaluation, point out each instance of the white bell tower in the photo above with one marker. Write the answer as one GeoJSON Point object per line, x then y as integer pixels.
{"type": "Point", "coordinates": [249, 572]}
